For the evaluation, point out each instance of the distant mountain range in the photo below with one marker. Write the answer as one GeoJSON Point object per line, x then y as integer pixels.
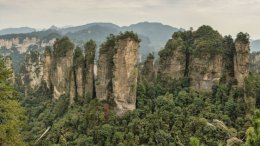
{"type": "Point", "coordinates": [16, 30]}
{"type": "Point", "coordinates": [153, 35]}
{"type": "Point", "coordinates": [255, 46]}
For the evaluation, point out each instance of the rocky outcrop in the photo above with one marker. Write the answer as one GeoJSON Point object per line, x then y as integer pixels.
{"type": "Point", "coordinates": [47, 66]}
{"type": "Point", "coordinates": [203, 58]}
{"type": "Point", "coordinates": [148, 71]}
{"type": "Point", "coordinates": [105, 70]}
{"type": "Point", "coordinates": [125, 74]}
{"type": "Point", "coordinates": [33, 70]}
{"type": "Point", "coordinates": [62, 66]}
{"type": "Point", "coordinates": [241, 61]}
{"type": "Point", "coordinates": [78, 73]}
{"type": "Point", "coordinates": [205, 71]}
{"type": "Point", "coordinates": [22, 44]}
{"type": "Point", "coordinates": [254, 62]}
{"type": "Point", "coordinates": [172, 63]}
{"type": "Point", "coordinates": [90, 51]}
{"type": "Point", "coordinates": [9, 65]}
{"type": "Point", "coordinates": [117, 71]}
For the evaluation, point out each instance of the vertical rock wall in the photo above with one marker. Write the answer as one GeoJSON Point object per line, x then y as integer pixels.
{"type": "Point", "coordinates": [205, 71]}
{"type": "Point", "coordinates": [241, 62]}
{"type": "Point", "coordinates": [90, 51]}
{"type": "Point", "coordinates": [125, 74]}
{"type": "Point", "coordinates": [148, 71]}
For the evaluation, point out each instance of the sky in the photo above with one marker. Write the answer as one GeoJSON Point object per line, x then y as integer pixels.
{"type": "Point", "coordinates": [226, 16]}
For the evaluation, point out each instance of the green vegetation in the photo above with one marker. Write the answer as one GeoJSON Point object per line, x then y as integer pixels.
{"type": "Point", "coordinates": [78, 58]}
{"type": "Point", "coordinates": [253, 133]}
{"type": "Point", "coordinates": [11, 112]}
{"type": "Point", "coordinates": [202, 41]}
{"type": "Point", "coordinates": [128, 34]}
{"type": "Point", "coordinates": [62, 46]}
{"type": "Point", "coordinates": [242, 37]}
{"type": "Point", "coordinates": [178, 116]}
{"type": "Point", "coordinates": [90, 50]}
{"type": "Point", "coordinates": [167, 112]}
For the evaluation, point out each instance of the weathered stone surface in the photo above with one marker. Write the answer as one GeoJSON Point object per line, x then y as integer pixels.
{"type": "Point", "coordinates": [72, 87]}
{"type": "Point", "coordinates": [33, 70]}
{"type": "Point", "coordinates": [104, 76]}
{"type": "Point", "coordinates": [254, 61]}
{"type": "Point", "coordinates": [241, 62]}
{"type": "Point", "coordinates": [125, 73]}
{"type": "Point", "coordinates": [104, 88]}
{"type": "Point", "coordinates": [62, 65]}
{"type": "Point", "coordinates": [172, 65]}
{"type": "Point", "coordinates": [78, 72]}
{"type": "Point", "coordinates": [47, 66]}
{"type": "Point", "coordinates": [205, 71]}
{"type": "Point", "coordinates": [148, 71]}
{"type": "Point", "coordinates": [90, 51]}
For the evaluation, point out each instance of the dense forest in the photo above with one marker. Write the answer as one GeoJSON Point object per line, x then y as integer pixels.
{"type": "Point", "coordinates": [169, 112]}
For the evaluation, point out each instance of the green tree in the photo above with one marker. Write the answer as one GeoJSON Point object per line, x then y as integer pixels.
{"type": "Point", "coordinates": [253, 133]}
{"type": "Point", "coordinates": [11, 113]}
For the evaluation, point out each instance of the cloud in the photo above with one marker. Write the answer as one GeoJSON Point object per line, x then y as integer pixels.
{"type": "Point", "coordinates": [228, 16]}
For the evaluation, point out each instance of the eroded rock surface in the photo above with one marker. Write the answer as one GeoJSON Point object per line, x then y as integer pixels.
{"type": "Point", "coordinates": [241, 62]}
{"type": "Point", "coordinates": [125, 74]}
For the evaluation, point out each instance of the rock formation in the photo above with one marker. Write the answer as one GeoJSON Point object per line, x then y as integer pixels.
{"type": "Point", "coordinates": [104, 69]}
{"type": "Point", "coordinates": [125, 74]}
{"type": "Point", "coordinates": [241, 59]}
{"type": "Point", "coordinates": [90, 51]}
{"type": "Point", "coordinates": [254, 61]}
{"type": "Point", "coordinates": [117, 71]}
{"type": "Point", "coordinates": [148, 71]}
{"type": "Point", "coordinates": [204, 57]}
{"type": "Point", "coordinates": [47, 66]}
{"type": "Point", "coordinates": [205, 71]}
{"type": "Point", "coordinates": [78, 73]}
{"type": "Point", "coordinates": [172, 62]}
{"type": "Point", "coordinates": [33, 70]}
{"type": "Point", "coordinates": [62, 66]}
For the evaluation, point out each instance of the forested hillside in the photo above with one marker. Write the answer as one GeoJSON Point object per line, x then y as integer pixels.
{"type": "Point", "coordinates": [199, 92]}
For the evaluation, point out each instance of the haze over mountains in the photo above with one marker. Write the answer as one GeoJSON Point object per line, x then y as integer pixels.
{"type": "Point", "coordinates": [153, 34]}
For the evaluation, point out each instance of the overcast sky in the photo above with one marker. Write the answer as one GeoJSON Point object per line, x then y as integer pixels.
{"type": "Point", "coordinates": [227, 16]}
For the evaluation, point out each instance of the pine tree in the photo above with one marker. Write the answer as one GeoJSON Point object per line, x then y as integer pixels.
{"type": "Point", "coordinates": [11, 113]}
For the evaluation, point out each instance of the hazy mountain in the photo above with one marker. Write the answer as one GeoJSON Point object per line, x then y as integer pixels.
{"type": "Point", "coordinates": [16, 30]}
{"type": "Point", "coordinates": [86, 26]}
{"type": "Point", "coordinates": [157, 32]}
{"type": "Point", "coordinates": [153, 35]}
{"type": "Point", "coordinates": [255, 45]}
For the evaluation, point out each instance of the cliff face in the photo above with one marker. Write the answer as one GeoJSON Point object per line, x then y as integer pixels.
{"type": "Point", "coordinates": [90, 51]}
{"type": "Point", "coordinates": [241, 62]}
{"type": "Point", "coordinates": [78, 74]}
{"type": "Point", "coordinates": [172, 65]}
{"type": "Point", "coordinates": [254, 61]}
{"type": "Point", "coordinates": [104, 70]}
{"type": "Point", "coordinates": [148, 71]}
{"type": "Point", "coordinates": [125, 74]}
{"type": "Point", "coordinates": [33, 70]}
{"type": "Point", "coordinates": [117, 71]}
{"type": "Point", "coordinates": [63, 61]}
{"type": "Point", "coordinates": [9, 65]}
{"type": "Point", "coordinates": [47, 66]}
{"type": "Point", "coordinates": [205, 58]}
{"type": "Point", "coordinates": [205, 71]}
